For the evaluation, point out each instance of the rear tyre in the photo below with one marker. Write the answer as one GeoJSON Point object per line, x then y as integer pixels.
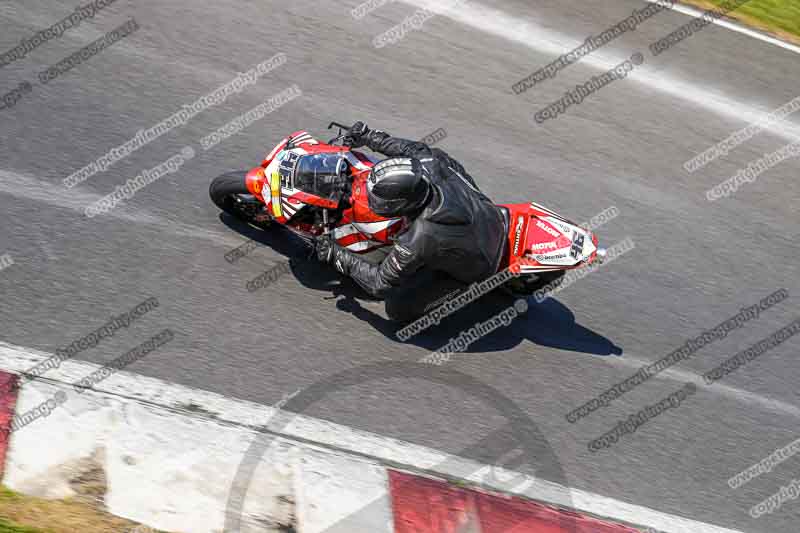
{"type": "Point", "coordinates": [528, 285]}
{"type": "Point", "coordinates": [553, 279]}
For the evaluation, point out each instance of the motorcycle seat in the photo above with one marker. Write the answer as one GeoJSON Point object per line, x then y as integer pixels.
{"type": "Point", "coordinates": [506, 218]}
{"type": "Point", "coordinates": [504, 251]}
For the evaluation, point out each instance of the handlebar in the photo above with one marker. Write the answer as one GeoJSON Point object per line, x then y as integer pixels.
{"type": "Point", "coordinates": [340, 126]}
{"type": "Point", "coordinates": [340, 135]}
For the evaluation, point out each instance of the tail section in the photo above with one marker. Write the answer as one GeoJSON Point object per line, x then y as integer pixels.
{"type": "Point", "coordinates": [541, 240]}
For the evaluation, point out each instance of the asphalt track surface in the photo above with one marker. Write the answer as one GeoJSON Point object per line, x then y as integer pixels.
{"type": "Point", "coordinates": [695, 263]}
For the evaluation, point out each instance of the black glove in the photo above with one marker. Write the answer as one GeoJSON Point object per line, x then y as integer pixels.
{"type": "Point", "coordinates": [323, 246]}
{"type": "Point", "coordinates": [332, 254]}
{"type": "Point", "coordinates": [357, 136]}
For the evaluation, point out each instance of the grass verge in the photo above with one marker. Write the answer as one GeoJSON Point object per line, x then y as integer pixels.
{"type": "Point", "coordinates": [780, 18]}
{"type": "Point", "coordinates": [26, 514]}
{"type": "Point", "coordinates": [9, 527]}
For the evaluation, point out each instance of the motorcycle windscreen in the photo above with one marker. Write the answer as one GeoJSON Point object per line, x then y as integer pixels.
{"type": "Point", "coordinates": [323, 175]}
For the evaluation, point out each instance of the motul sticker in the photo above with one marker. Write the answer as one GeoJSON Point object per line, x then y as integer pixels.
{"type": "Point", "coordinates": [544, 245]}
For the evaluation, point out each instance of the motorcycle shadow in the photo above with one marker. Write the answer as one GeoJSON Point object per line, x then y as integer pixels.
{"type": "Point", "coordinates": [308, 272]}
{"type": "Point", "coordinates": [549, 323]}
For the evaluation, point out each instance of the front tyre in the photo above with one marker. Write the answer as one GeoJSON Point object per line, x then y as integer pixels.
{"type": "Point", "coordinates": [229, 193]}
{"type": "Point", "coordinates": [225, 190]}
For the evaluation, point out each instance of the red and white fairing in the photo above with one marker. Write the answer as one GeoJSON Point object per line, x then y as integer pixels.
{"type": "Point", "coordinates": [539, 239]}
{"type": "Point", "coordinates": [542, 240]}
{"type": "Point", "coordinates": [359, 230]}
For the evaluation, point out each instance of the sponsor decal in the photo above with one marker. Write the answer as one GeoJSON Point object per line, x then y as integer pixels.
{"type": "Point", "coordinates": [543, 258]}
{"type": "Point", "coordinates": [518, 233]}
{"type": "Point", "coordinates": [275, 188]}
{"type": "Point", "coordinates": [566, 228]}
{"type": "Point", "coordinates": [543, 245]}
{"type": "Point", "coordinates": [548, 229]}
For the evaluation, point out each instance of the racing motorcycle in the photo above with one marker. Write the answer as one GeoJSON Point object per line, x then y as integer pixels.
{"type": "Point", "coordinates": [312, 188]}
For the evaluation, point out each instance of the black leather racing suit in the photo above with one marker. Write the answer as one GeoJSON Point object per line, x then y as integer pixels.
{"type": "Point", "coordinates": [460, 233]}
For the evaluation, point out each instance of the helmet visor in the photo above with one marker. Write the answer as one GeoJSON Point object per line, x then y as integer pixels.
{"type": "Point", "coordinates": [386, 208]}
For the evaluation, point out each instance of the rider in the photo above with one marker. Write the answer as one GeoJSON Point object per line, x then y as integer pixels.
{"type": "Point", "coordinates": [455, 235]}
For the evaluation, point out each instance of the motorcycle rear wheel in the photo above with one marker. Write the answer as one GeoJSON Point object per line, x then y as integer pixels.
{"type": "Point", "coordinates": [528, 285]}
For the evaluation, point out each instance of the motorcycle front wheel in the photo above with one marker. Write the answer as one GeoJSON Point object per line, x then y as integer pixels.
{"type": "Point", "coordinates": [229, 193]}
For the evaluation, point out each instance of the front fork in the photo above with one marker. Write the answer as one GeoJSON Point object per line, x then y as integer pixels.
{"type": "Point", "coordinates": [326, 228]}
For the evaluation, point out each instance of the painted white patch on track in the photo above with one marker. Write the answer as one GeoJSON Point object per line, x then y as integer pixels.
{"type": "Point", "coordinates": [548, 41]}
{"type": "Point", "coordinates": [321, 433]}
{"type": "Point", "coordinates": [362, 501]}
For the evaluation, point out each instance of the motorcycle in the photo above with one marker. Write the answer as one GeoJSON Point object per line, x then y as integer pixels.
{"type": "Point", "coordinates": [313, 188]}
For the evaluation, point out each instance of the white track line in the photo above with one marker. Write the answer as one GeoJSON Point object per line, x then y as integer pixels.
{"type": "Point", "coordinates": [554, 43]}
{"type": "Point", "coordinates": [548, 41]}
{"type": "Point", "coordinates": [694, 12]}
{"type": "Point", "coordinates": [741, 395]}
{"type": "Point", "coordinates": [30, 188]}
{"type": "Point", "coordinates": [327, 434]}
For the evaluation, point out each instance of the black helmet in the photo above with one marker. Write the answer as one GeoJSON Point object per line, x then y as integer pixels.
{"type": "Point", "coordinates": [398, 187]}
